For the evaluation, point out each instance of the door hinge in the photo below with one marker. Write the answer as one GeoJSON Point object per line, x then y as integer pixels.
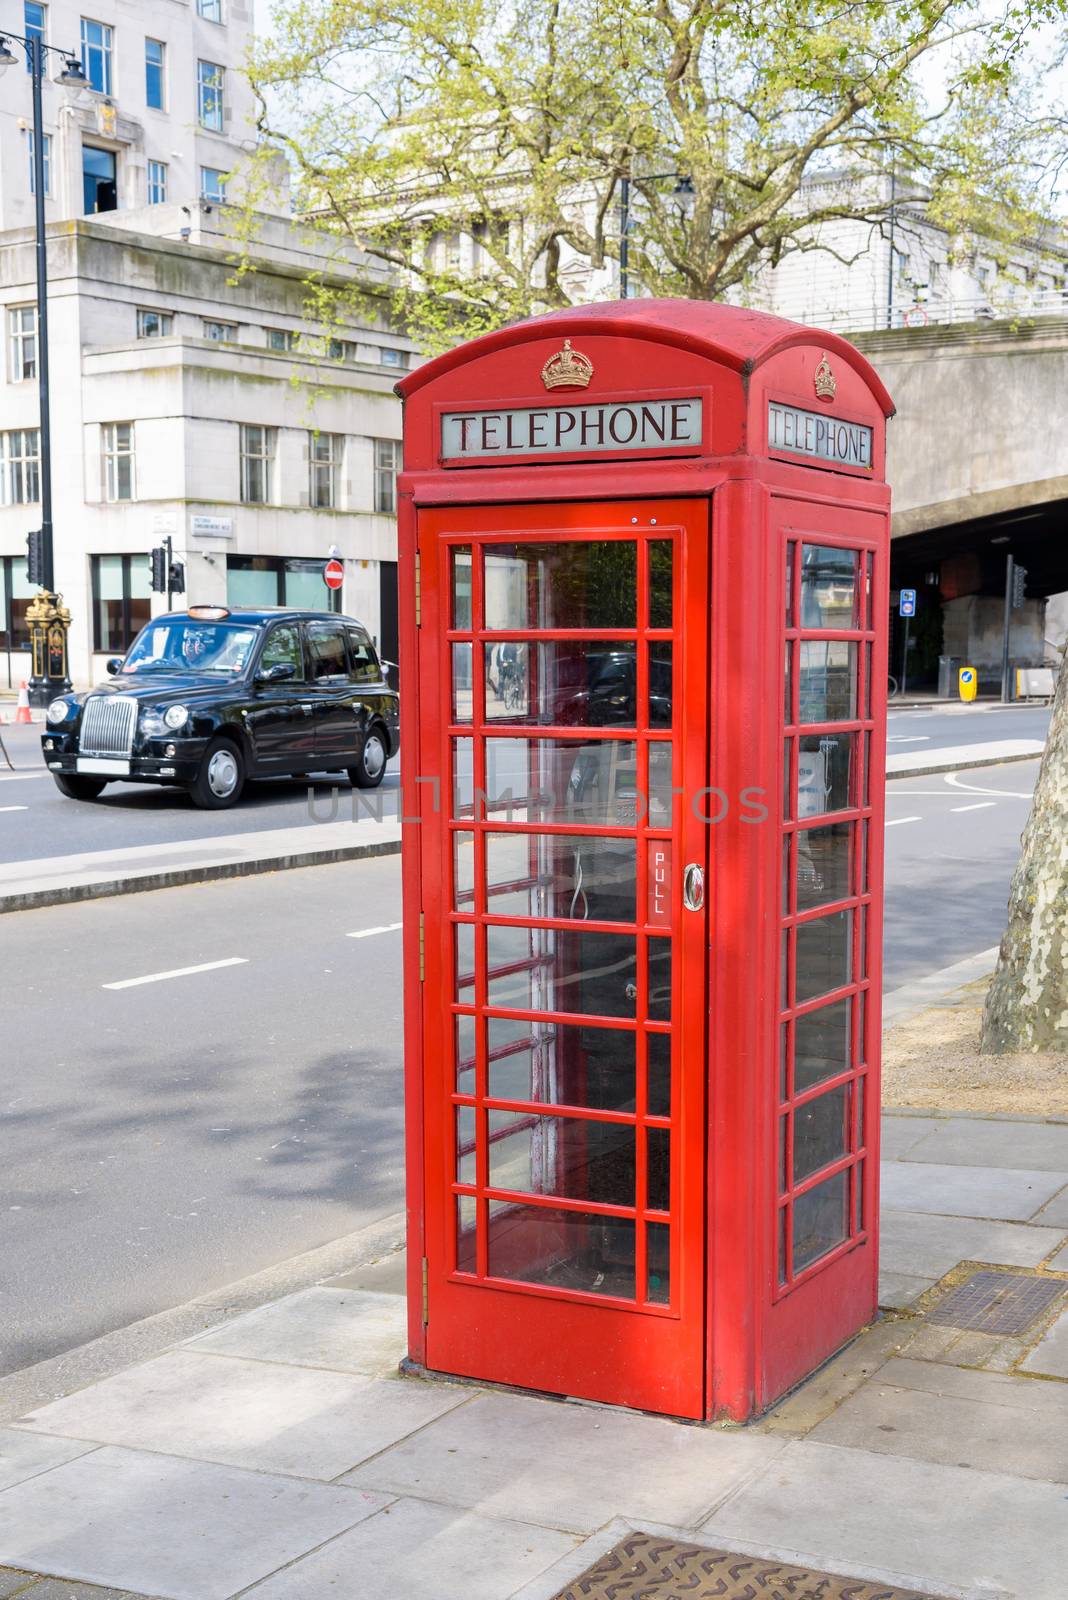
{"type": "Point", "coordinates": [418, 591]}
{"type": "Point", "coordinates": [422, 947]}
{"type": "Point", "coordinates": [426, 1292]}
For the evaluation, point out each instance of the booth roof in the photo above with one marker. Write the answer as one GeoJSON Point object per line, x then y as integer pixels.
{"type": "Point", "coordinates": [731, 335]}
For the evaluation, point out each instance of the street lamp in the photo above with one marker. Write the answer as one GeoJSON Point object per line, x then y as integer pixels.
{"type": "Point", "coordinates": [49, 637]}
{"type": "Point", "coordinates": [683, 193]}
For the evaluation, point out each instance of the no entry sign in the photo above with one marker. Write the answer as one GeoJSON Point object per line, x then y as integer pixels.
{"type": "Point", "coordinates": [333, 574]}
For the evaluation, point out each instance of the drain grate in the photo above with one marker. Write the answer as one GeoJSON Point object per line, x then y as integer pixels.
{"type": "Point", "coordinates": [997, 1302]}
{"type": "Point", "coordinates": [644, 1568]}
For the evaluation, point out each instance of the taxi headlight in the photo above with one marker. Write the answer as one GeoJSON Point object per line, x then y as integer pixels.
{"type": "Point", "coordinates": [176, 716]}
{"type": "Point", "coordinates": [58, 711]}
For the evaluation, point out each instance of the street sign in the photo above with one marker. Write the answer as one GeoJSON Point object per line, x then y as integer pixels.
{"type": "Point", "coordinates": [968, 683]}
{"type": "Point", "coordinates": [907, 603]}
{"type": "Point", "coordinates": [333, 574]}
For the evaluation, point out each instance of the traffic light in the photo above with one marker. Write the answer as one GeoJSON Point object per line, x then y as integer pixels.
{"type": "Point", "coordinates": [35, 572]}
{"type": "Point", "coordinates": [177, 577]}
{"type": "Point", "coordinates": [158, 558]}
{"type": "Point", "coordinates": [1019, 586]}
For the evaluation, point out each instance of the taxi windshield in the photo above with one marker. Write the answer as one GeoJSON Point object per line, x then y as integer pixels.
{"type": "Point", "coordinates": [182, 645]}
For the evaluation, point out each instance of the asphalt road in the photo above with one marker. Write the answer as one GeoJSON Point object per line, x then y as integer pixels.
{"type": "Point", "coordinates": [948, 726]}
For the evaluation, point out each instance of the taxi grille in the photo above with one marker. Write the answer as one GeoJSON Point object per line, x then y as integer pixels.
{"type": "Point", "coordinates": [108, 724]}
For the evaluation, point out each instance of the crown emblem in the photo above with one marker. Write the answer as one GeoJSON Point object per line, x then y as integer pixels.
{"type": "Point", "coordinates": [824, 379]}
{"type": "Point", "coordinates": [567, 369]}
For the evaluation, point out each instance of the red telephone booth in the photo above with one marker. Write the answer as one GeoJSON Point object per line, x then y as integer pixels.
{"type": "Point", "coordinates": [644, 597]}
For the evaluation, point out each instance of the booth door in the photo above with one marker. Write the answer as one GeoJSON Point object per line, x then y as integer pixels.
{"type": "Point", "coordinates": [563, 690]}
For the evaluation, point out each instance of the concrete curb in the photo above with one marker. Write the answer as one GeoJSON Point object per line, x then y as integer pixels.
{"type": "Point", "coordinates": [965, 766]}
{"type": "Point", "coordinates": [937, 988]}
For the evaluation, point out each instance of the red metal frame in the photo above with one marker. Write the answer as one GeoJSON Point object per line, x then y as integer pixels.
{"type": "Point", "coordinates": [735, 511]}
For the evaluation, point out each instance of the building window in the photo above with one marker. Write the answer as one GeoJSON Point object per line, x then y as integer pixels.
{"type": "Point", "coordinates": [97, 41]}
{"type": "Point", "coordinates": [46, 150]}
{"type": "Point", "coordinates": [154, 324]}
{"type": "Point", "coordinates": [100, 183]}
{"type": "Point", "coordinates": [392, 358]}
{"type": "Point", "coordinates": [16, 593]}
{"type": "Point", "coordinates": [341, 350]}
{"type": "Point", "coordinates": [34, 18]}
{"type": "Point", "coordinates": [220, 331]}
{"type": "Point", "coordinates": [257, 462]}
{"type": "Point", "coordinates": [387, 465]}
{"type": "Point", "coordinates": [157, 183]}
{"type": "Point", "coordinates": [211, 9]}
{"type": "Point", "coordinates": [155, 57]}
{"type": "Point", "coordinates": [281, 339]}
{"type": "Point", "coordinates": [122, 601]}
{"type": "Point", "coordinates": [117, 445]}
{"type": "Point", "coordinates": [22, 342]}
{"type": "Point", "coordinates": [210, 95]}
{"type": "Point", "coordinates": [212, 184]}
{"type": "Point", "coordinates": [277, 581]}
{"type": "Point", "coordinates": [324, 457]}
{"type": "Point", "coordinates": [20, 467]}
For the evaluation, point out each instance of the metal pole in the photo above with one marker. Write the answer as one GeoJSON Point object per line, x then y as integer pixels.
{"type": "Point", "coordinates": [624, 239]}
{"type": "Point", "coordinates": [890, 268]}
{"type": "Point", "coordinates": [167, 545]}
{"type": "Point", "coordinates": [36, 54]}
{"type": "Point", "coordinates": [905, 658]}
{"type": "Point", "coordinates": [1005, 695]}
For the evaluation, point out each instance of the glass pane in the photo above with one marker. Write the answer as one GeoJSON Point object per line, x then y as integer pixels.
{"type": "Point", "coordinates": [563, 971]}
{"type": "Point", "coordinates": [465, 1053]}
{"type": "Point", "coordinates": [572, 683]}
{"type": "Point", "coordinates": [463, 778]}
{"type": "Point", "coordinates": [658, 1074]}
{"type": "Point", "coordinates": [463, 859]}
{"type": "Point", "coordinates": [788, 779]}
{"type": "Point", "coordinates": [790, 548]}
{"type": "Point", "coordinates": [788, 684]}
{"type": "Point", "coordinates": [562, 1249]}
{"type": "Point", "coordinates": [461, 682]}
{"type": "Point", "coordinates": [461, 587]}
{"type": "Point", "coordinates": [861, 1141]}
{"type": "Point", "coordinates": [562, 780]}
{"type": "Point", "coordinates": [660, 683]}
{"type": "Point", "coordinates": [574, 1158]}
{"type": "Point", "coordinates": [829, 595]}
{"type": "Point", "coordinates": [828, 680]}
{"type": "Point", "coordinates": [250, 587]}
{"type": "Point", "coordinates": [869, 570]}
{"type": "Point", "coordinates": [658, 1262]}
{"type": "Point", "coordinates": [858, 1215]}
{"type": "Point", "coordinates": [824, 864]}
{"type": "Point", "coordinates": [466, 1213]}
{"type": "Point", "coordinates": [570, 584]}
{"type": "Point", "coordinates": [820, 1134]}
{"type": "Point", "coordinates": [465, 1144]}
{"type": "Point", "coordinates": [820, 1220]}
{"type": "Point", "coordinates": [661, 567]}
{"type": "Point", "coordinates": [659, 980]}
{"type": "Point", "coordinates": [109, 577]}
{"type": "Point", "coordinates": [464, 936]}
{"type": "Point", "coordinates": [577, 876]}
{"type": "Point", "coordinates": [823, 771]}
{"type": "Point", "coordinates": [824, 955]}
{"type": "Point", "coordinates": [562, 1064]}
{"type": "Point", "coordinates": [660, 798]}
{"type": "Point", "coordinates": [821, 1044]}
{"type": "Point", "coordinates": [658, 1169]}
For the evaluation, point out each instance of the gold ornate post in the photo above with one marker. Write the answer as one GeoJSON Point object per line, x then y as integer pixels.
{"type": "Point", "coordinates": [49, 624]}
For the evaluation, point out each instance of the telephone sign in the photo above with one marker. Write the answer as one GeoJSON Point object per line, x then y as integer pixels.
{"type": "Point", "coordinates": [907, 604]}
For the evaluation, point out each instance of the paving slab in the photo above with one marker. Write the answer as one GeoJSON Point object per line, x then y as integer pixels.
{"type": "Point", "coordinates": [345, 1331]}
{"type": "Point", "coordinates": [1050, 1355]}
{"type": "Point", "coordinates": [1001, 1192]}
{"type": "Point", "coordinates": [1055, 1213]}
{"type": "Point", "coordinates": [1059, 1262]}
{"type": "Point", "coordinates": [256, 1414]}
{"type": "Point", "coordinates": [24, 1455]}
{"type": "Point", "coordinates": [933, 1412]}
{"type": "Point", "coordinates": [567, 1466]}
{"type": "Point", "coordinates": [928, 1246]}
{"type": "Point", "coordinates": [930, 1526]}
{"type": "Point", "coordinates": [69, 1589]}
{"type": "Point", "coordinates": [422, 1552]}
{"type": "Point", "coordinates": [995, 1142]}
{"type": "Point", "coordinates": [183, 1530]}
{"type": "Point", "coordinates": [899, 1135]}
{"type": "Point", "coordinates": [897, 1290]}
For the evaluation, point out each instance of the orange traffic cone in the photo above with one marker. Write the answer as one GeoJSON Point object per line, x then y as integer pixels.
{"type": "Point", "coordinates": [22, 714]}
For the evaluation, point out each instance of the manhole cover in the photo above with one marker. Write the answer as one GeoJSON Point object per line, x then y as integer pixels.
{"type": "Point", "coordinates": [643, 1568]}
{"type": "Point", "coordinates": [996, 1302]}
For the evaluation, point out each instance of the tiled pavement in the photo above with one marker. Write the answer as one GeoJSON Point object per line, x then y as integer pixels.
{"type": "Point", "coordinates": [281, 1456]}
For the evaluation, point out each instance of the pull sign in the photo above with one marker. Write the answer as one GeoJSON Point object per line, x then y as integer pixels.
{"type": "Point", "coordinates": [659, 884]}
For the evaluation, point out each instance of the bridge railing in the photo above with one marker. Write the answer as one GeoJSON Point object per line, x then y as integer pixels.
{"type": "Point", "coordinates": [940, 311]}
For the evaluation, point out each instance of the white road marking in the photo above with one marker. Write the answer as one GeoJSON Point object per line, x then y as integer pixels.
{"type": "Point", "coordinates": [21, 777]}
{"type": "Point", "coordinates": [908, 738]}
{"type": "Point", "coordinates": [979, 805]}
{"type": "Point", "coordinates": [177, 972]}
{"type": "Point", "coordinates": [896, 821]}
{"type": "Point", "coordinates": [366, 933]}
{"type": "Point", "coordinates": [954, 781]}
{"type": "Point", "coordinates": [14, 808]}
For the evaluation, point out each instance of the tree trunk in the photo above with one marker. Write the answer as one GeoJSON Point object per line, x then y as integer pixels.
{"type": "Point", "coordinates": [1027, 1005]}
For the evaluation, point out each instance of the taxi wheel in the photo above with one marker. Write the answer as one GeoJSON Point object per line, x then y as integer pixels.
{"type": "Point", "coordinates": [80, 788]}
{"type": "Point", "coordinates": [370, 766]}
{"type": "Point", "coordinates": [221, 777]}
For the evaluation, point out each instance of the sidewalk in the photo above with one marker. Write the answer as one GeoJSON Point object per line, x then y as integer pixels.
{"type": "Point", "coordinates": [280, 1454]}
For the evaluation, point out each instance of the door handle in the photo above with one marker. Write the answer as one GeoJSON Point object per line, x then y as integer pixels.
{"type": "Point", "coordinates": [693, 887]}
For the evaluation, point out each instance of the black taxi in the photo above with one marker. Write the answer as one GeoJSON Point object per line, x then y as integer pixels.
{"type": "Point", "coordinates": [209, 697]}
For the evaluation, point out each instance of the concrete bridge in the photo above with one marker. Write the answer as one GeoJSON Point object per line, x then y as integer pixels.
{"type": "Point", "coordinates": [978, 460]}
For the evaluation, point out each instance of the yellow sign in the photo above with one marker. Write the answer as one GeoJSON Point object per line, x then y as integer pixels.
{"type": "Point", "coordinates": [968, 683]}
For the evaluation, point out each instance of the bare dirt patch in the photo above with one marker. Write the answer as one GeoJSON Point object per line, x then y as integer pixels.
{"type": "Point", "coordinates": [933, 1060]}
